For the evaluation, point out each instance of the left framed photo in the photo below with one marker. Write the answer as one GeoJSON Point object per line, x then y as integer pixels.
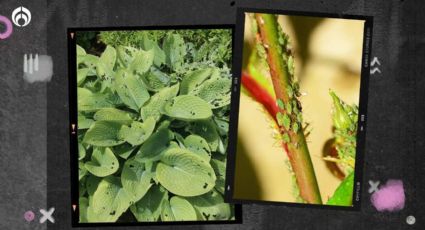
{"type": "Point", "coordinates": [149, 125]}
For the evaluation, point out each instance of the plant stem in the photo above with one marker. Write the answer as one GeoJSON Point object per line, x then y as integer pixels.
{"type": "Point", "coordinates": [278, 56]}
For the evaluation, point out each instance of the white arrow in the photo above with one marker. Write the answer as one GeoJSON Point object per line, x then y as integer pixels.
{"type": "Point", "coordinates": [375, 61]}
{"type": "Point", "coordinates": [74, 206]}
{"type": "Point", "coordinates": [375, 70]}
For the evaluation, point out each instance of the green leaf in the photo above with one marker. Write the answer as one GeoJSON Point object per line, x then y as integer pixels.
{"type": "Point", "coordinates": [181, 209]}
{"type": "Point", "coordinates": [135, 179]}
{"type": "Point", "coordinates": [83, 205]}
{"type": "Point", "coordinates": [84, 122]}
{"type": "Point", "coordinates": [142, 61]}
{"type": "Point", "coordinates": [156, 103]}
{"type": "Point", "coordinates": [105, 66]}
{"type": "Point", "coordinates": [124, 150]}
{"type": "Point", "coordinates": [215, 91]}
{"type": "Point", "coordinates": [110, 200]}
{"type": "Point", "coordinates": [148, 209]}
{"type": "Point", "coordinates": [166, 212]}
{"type": "Point", "coordinates": [185, 173]}
{"type": "Point", "coordinates": [103, 133]}
{"type": "Point", "coordinates": [343, 195]}
{"type": "Point", "coordinates": [220, 171]}
{"type": "Point", "coordinates": [188, 108]}
{"type": "Point", "coordinates": [125, 55]}
{"type": "Point", "coordinates": [81, 75]}
{"type": "Point", "coordinates": [103, 162]}
{"type": "Point", "coordinates": [138, 132]}
{"type": "Point", "coordinates": [81, 171]}
{"type": "Point", "coordinates": [112, 114]}
{"type": "Point", "coordinates": [207, 130]}
{"type": "Point", "coordinates": [88, 101]}
{"type": "Point", "coordinates": [211, 206]}
{"type": "Point", "coordinates": [92, 182]}
{"type": "Point", "coordinates": [198, 145]}
{"type": "Point", "coordinates": [80, 51]}
{"type": "Point", "coordinates": [155, 79]}
{"type": "Point", "coordinates": [175, 50]}
{"type": "Point", "coordinates": [194, 80]}
{"type": "Point", "coordinates": [159, 57]}
{"type": "Point", "coordinates": [154, 145]}
{"type": "Point", "coordinates": [81, 152]}
{"type": "Point", "coordinates": [131, 90]}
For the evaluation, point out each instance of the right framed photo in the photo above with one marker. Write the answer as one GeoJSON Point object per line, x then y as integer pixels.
{"type": "Point", "coordinates": [298, 111]}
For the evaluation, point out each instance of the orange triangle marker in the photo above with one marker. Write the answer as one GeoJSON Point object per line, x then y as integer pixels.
{"type": "Point", "coordinates": [74, 207]}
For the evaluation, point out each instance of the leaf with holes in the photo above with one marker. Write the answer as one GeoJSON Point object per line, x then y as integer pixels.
{"type": "Point", "coordinates": [195, 79]}
{"type": "Point", "coordinates": [110, 200]}
{"type": "Point", "coordinates": [152, 148]}
{"type": "Point", "coordinates": [103, 133]}
{"type": "Point", "coordinates": [112, 114]}
{"type": "Point", "coordinates": [131, 90]}
{"type": "Point", "coordinates": [142, 61]}
{"type": "Point", "coordinates": [211, 206]}
{"type": "Point", "coordinates": [188, 108]}
{"type": "Point", "coordinates": [103, 162]}
{"type": "Point", "coordinates": [198, 145]}
{"type": "Point", "coordinates": [135, 179]}
{"type": "Point", "coordinates": [149, 207]}
{"type": "Point", "coordinates": [138, 132]}
{"type": "Point", "coordinates": [156, 103]}
{"type": "Point", "coordinates": [185, 173]}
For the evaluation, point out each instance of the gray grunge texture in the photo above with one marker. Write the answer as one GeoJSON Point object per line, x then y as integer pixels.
{"type": "Point", "coordinates": [34, 149]}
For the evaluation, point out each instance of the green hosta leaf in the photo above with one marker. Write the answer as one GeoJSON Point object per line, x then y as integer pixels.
{"type": "Point", "coordinates": [198, 145]}
{"type": "Point", "coordinates": [185, 173]}
{"type": "Point", "coordinates": [166, 212]}
{"type": "Point", "coordinates": [149, 207]}
{"type": "Point", "coordinates": [88, 101]}
{"type": "Point", "coordinates": [156, 103]}
{"type": "Point", "coordinates": [125, 55]}
{"type": "Point", "coordinates": [138, 132]}
{"type": "Point", "coordinates": [156, 80]}
{"type": "Point", "coordinates": [343, 195]}
{"type": "Point", "coordinates": [81, 171]}
{"type": "Point", "coordinates": [92, 183]}
{"type": "Point", "coordinates": [80, 51]}
{"type": "Point", "coordinates": [81, 75]}
{"type": "Point", "coordinates": [181, 209]}
{"type": "Point", "coordinates": [207, 130]}
{"type": "Point", "coordinates": [103, 133]}
{"type": "Point", "coordinates": [148, 44]}
{"type": "Point", "coordinates": [154, 145]}
{"type": "Point", "coordinates": [81, 152]}
{"type": "Point", "coordinates": [83, 205]}
{"type": "Point", "coordinates": [112, 114]}
{"type": "Point", "coordinates": [103, 162]}
{"type": "Point", "coordinates": [110, 200]}
{"type": "Point", "coordinates": [89, 61]}
{"type": "Point", "coordinates": [131, 90]}
{"type": "Point", "coordinates": [194, 80]}
{"type": "Point", "coordinates": [211, 206]}
{"type": "Point", "coordinates": [175, 50]}
{"type": "Point", "coordinates": [142, 61]}
{"type": "Point", "coordinates": [124, 150]}
{"type": "Point", "coordinates": [83, 122]}
{"type": "Point", "coordinates": [135, 179]}
{"type": "Point", "coordinates": [188, 108]}
{"type": "Point", "coordinates": [215, 91]}
{"type": "Point", "coordinates": [220, 171]}
{"type": "Point", "coordinates": [105, 66]}
{"type": "Point", "coordinates": [222, 126]}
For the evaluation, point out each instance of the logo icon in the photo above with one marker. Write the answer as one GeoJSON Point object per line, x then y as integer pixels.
{"type": "Point", "coordinates": [37, 68]}
{"type": "Point", "coordinates": [21, 16]}
{"type": "Point", "coordinates": [8, 27]}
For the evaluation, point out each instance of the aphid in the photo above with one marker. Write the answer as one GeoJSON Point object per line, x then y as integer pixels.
{"type": "Point", "coordinates": [280, 104]}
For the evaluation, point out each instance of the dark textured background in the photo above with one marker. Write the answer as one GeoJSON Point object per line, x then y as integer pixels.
{"type": "Point", "coordinates": [394, 138]}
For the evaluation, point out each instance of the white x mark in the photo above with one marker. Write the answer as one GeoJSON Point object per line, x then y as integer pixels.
{"type": "Point", "coordinates": [373, 186]}
{"type": "Point", "coordinates": [47, 215]}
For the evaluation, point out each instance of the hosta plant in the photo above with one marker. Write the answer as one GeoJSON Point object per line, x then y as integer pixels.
{"type": "Point", "coordinates": [152, 132]}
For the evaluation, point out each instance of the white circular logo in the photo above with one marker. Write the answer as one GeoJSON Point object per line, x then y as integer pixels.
{"type": "Point", "coordinates": [21, 16]}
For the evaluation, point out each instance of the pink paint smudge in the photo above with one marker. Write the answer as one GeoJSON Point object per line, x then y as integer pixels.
{"type": "Point", "coordinates": [29, 216]}
{"type": "Point", "coordinates": [390, 197]}
{"type": "Point", "coordinates": [9, 27]}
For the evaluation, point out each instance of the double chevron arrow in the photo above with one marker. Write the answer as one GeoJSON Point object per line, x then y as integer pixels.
{"type": "Point", "coordinates": [375, 69]}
